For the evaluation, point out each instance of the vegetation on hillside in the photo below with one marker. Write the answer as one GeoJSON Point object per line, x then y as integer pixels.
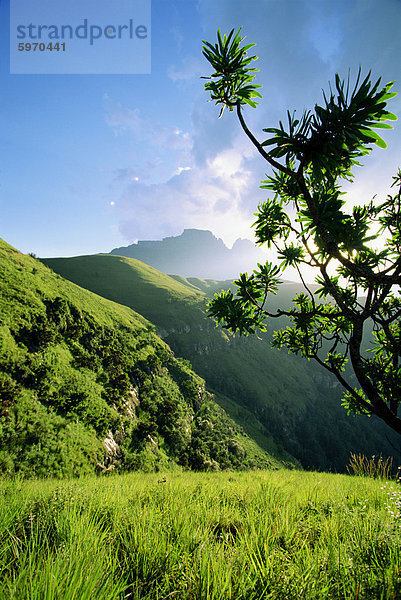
{"type": "Point", "coordinates": [150, 291]}
{"type": "Point", "coordinates": [309, 225]}
{"type": "Point", "coordinates": [86, 383]}
{"type": "Point", "coordinates": [241, 536]}
{"type": "Point", "coordinates": [290, 407]}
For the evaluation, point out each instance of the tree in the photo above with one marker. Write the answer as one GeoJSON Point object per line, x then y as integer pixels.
{"type": "Point", "coordinates": [354, 315]}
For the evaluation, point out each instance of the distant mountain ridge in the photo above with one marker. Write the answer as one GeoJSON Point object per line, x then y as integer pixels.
{"type": "Point", "coordinates": [195, 253]}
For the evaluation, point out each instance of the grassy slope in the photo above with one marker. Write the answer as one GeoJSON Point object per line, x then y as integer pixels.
{"type": "Point", "coordinates": [239, 536]}
{"type": "Point", "coordinates": [292, 401]}
{"type": "Point", "coordinates": [152, 292]}
{"type": "Point", "coordinates": [74, 366]}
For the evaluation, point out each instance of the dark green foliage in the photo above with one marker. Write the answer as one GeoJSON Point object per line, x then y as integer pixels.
{"type": "Point", "coordinates": [332, 324]}
{"type": "Point", "coordinates": [215, 443]}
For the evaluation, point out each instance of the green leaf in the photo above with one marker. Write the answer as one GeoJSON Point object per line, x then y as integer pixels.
{"type": "Point", "coordinates": [382, 126]}
{"type": "Point", "coordinates": [375, 137]}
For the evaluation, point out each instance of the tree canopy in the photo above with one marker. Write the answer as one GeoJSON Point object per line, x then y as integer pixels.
{"type": "Point", "coordinates": [350, 323]}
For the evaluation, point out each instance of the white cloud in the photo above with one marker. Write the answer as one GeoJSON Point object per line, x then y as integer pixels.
{"type": "Point", "coordinates": [126, 175]}
{"type": "Point", "coordinates": [216, 195]}
{"type": "Point", "coordinates": [179, 170]}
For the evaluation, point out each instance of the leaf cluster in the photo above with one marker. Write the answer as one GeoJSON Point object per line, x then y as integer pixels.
{"type": "Point", "coordinates": [331, 139]}
{"type": "Point", "coordinates": [232, 79]}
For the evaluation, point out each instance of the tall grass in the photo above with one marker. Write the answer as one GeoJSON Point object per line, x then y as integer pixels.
{"type": "Point", "coordinates": [375, 466]}
{"type": "Point", "coordinates": [244, 536]}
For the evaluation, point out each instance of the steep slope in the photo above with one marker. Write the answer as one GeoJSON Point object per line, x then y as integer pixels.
{"type": "Point", "coordinates": [86, 383]}
{"type": "Point", "coordinates": [195, 252]}
{"type": "Point", "coordinates": [168, 303]}
{"type": "Point", "coordinates": [286, 401]}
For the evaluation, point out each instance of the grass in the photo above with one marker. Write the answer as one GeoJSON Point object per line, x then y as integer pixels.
{"type": "Point", "coordinates": [163, 300]}
{"type": "Point", "coordinates": [374, 466]}
{"type": "Point", "coordinates": [275, 535]}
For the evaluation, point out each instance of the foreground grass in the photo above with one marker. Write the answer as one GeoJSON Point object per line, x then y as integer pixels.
{"type": "Point", "coordinates": [279, 535]}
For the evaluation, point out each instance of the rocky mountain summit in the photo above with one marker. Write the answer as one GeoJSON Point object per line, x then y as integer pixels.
{"type": "Point", "coordinates": [195, 253]}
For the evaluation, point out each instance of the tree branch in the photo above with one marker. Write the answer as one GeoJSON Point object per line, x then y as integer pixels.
{"type": "Point", "coordinates": [260, 148]}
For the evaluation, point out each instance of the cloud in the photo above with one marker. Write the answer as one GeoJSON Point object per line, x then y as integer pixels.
{"type": "Point", "coordinates": [145, 172]}
{"type": "Point", "coordinates": [153, 149]}
{"type": "Point", "coordinates": [211, 183]}
{"type": "Point", "coordinates": [189, 69]}
{"type": "Point", "coordinates": [301, 44]}
{"type": "Point", "coordinates": [126, 175]}
{"type": "Point", "coordinates": [216, 195]}
{"type": "Point", "coordinates": [121, 118]}
{"type": "Point", "coordinates": [178, 36]}
{"type": "Point", "coordinates": [179, 170]}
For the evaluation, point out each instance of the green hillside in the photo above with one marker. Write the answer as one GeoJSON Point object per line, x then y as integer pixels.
{"type": "Point", "coordinates": [86, 384]}
{"type": "Point", "coordinates": [284, 402]}
{"type": "Point", "coordinates": [159, 295]}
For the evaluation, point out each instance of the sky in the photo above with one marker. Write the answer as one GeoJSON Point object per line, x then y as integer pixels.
{"type": "Point", "coordinates": [93, 162]}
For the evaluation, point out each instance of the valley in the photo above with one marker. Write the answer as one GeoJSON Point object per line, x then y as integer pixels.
{"type": "Point", "coordinates": [292, 404]}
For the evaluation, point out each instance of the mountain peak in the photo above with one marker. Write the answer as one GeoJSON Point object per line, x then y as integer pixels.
{"type": "Point", "coordinates": [195, 253]}
{"type": "Point", "coordinates": [197, 233]}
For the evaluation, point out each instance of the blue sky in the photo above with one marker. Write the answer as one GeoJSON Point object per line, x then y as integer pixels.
{"type": "Point", "coordinates": [91, 162]}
